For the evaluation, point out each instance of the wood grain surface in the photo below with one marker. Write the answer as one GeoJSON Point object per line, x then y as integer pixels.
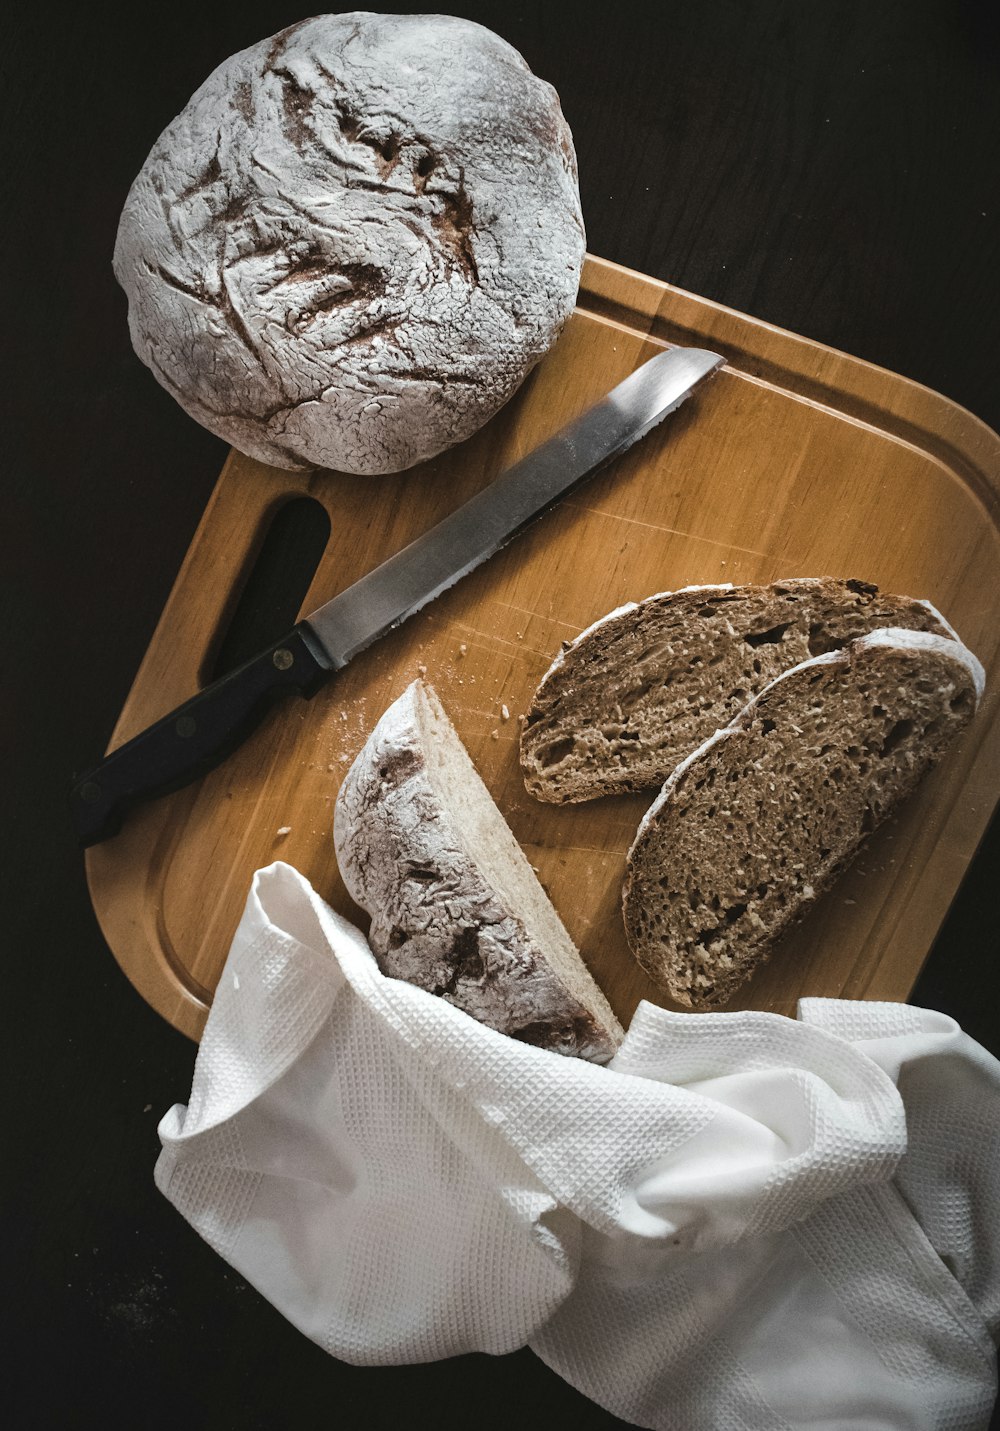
{"type": "Point", "coordinates": [793, 461]}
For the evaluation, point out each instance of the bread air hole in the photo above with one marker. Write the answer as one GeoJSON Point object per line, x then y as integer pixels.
{"type": "Point", "coordinates": [552, 754]}
{"type": "Point", "coordinates": [896, 735]}
{"type": "Point", "coordinates": [630, 699]}
{"type": "Point", "coordinates": [819, 640]}
{"type": "Point", "coordinates": [772, 637]}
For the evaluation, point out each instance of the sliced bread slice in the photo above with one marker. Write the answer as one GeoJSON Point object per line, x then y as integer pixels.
{"type": "Point", "coordinates": [455, 907]}
{"type": "Point", "coordinates": [762, 817]}
{"type": "Point", "coordinates": [638, 690]}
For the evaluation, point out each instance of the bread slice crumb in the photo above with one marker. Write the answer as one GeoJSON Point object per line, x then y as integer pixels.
{"type": "Point", "coordinates": [720, 868]}
{"type": "Point", "coordinates": [626, 700]}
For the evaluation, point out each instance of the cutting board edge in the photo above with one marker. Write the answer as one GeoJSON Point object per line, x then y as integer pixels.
{"type": "Point", "coordinates": [133, 942]}
{"type": "Point", "coordinates": [971, 447]}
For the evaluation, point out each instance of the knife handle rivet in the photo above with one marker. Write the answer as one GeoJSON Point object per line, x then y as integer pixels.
{"type": "Point", "coordinates": [282, 658]}
{"type": "Point", "coordinates": [90, 792]}
{"type": "Point", "coordinates": [185, 726]}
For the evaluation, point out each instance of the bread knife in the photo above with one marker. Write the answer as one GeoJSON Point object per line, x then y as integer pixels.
{"type": "Point", "coordinates": [199, 734]}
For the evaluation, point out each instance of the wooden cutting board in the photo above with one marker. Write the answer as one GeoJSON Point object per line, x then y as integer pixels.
{"type": "Point", "coordinates": [794, 460]}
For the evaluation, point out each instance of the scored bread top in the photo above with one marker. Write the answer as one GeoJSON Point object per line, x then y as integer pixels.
{"type": "Point", "coordinates": [355, 241]}
{"type": "Point", "coordinates": [455, 907]}
{"type": "Point", "coordinates": [764, 815]}
{"type": "Point", "coordinates": [645, 684]}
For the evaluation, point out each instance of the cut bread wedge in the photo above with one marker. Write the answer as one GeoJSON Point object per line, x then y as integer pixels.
{"type": "Point", "coordinates": [455, 907]}
{"type": "Point", "coordinates": [761, 818]}
{"type": "Point", "coordinates": [638, 690]}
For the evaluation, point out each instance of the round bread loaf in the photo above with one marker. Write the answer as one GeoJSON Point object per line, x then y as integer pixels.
{"type": "Point", "coordinates": [355, 242]}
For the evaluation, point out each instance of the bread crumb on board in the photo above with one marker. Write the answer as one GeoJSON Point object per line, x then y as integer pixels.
{"type": "Point", "coordinates": [282, 831]}
{"type": "Point", "coordinates": [504, 712]}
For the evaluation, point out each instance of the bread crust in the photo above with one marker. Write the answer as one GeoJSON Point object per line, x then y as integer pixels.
{"type": "Point", "coordinates": [642, 686]}
{"type": "Point", "coordinates": [436, 919]}
{"type": "Point", "coordinates": [716, 873]}
{"type": "Point", "coordinates": [355, 241]}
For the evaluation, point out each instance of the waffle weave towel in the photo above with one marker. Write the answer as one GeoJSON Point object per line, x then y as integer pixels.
{"type": "Point", "coordinates": [743, 1221]}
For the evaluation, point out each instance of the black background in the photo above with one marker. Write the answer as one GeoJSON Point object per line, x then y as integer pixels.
{"type": "Point", "coordinates": [831, 168]}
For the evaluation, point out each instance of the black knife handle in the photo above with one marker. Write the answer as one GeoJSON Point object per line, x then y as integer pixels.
{"type": "Point", "coordinates": [195, 737]}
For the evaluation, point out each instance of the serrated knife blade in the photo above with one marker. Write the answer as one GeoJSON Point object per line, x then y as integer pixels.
{"type": "Point", "coordinates": [199, 734]}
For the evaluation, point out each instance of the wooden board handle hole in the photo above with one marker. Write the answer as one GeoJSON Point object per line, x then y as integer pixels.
{"type": "Point", "coordinates": [275, 586]}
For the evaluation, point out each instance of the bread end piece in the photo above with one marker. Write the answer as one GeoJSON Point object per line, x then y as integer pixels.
{"type": "Point", "coordinates": [758, 821]}
{"type": "Point", "coordinates": [455, 907]}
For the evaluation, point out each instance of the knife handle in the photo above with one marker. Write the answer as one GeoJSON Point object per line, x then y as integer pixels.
{"type": "Point", "coordinates": [195, 737]}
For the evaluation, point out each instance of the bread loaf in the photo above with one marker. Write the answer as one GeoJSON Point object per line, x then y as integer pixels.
{"type": "Point", "coordinates": [454, 905]}
{"type": "Point", "coordinates": [763, 816]}
{"type": "Point", "coordinates": [355, 241]}
{"type": "Point", "coordinates": [638, 690]}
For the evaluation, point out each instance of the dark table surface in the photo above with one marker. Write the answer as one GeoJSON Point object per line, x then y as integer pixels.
{"type": "Point", "coordinates": [830, 168]}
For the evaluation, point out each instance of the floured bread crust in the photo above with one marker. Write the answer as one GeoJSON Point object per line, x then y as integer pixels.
{"type": "Point", "coordinates": [457, 913]}
{"type": "Point", "coordinates": [640, 688]}
{"type": "Point", "coordinates": [753, 825]}
{"type": "Point", "coordinates": [355, 241]}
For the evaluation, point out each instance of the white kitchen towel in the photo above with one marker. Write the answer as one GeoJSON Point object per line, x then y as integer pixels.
{"type": "Point", "coordinates": [725, 1227]}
